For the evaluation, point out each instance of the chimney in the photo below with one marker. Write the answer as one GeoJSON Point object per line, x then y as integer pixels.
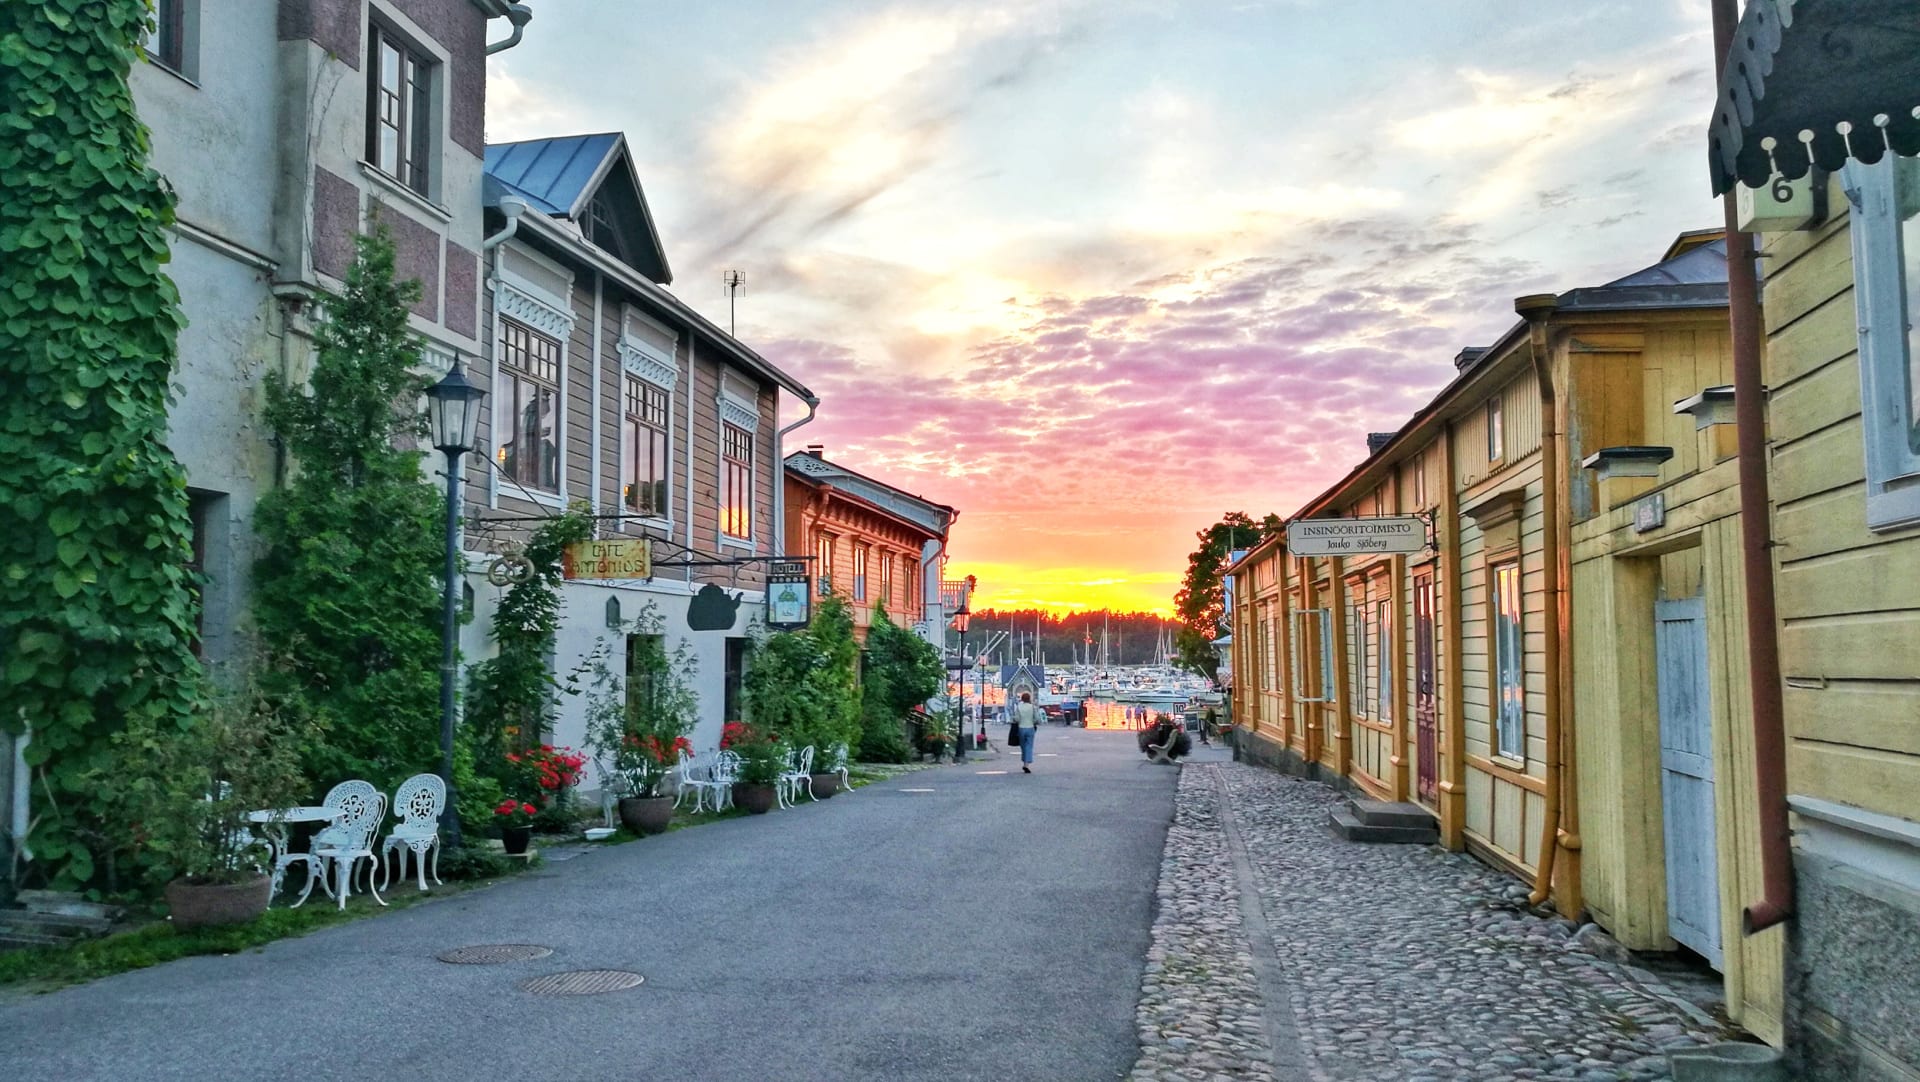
{"type": "Point", "coordinates": [1464, 359]}
{"type": "Point", "coordinates": [817, 450]}
{"type": "Point", "coordinates": [1377, 440]}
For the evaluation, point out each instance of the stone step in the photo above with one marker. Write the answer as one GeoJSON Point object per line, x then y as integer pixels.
{"type": "Point", "coordinates": [66, 904]}
{"type": "Point", "coordinates": [20, 921]}
{"type": "Point", "coordinates": [1381, 813]}
{"type": "Point", "coordinates": [1349, 826]}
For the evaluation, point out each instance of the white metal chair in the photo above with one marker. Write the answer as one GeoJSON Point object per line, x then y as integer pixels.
{"type": "Point", "coordinates": [693, 774]}
{"type": "Point", "coordinates": [797, 774]}
{"type": "Point", "coordinates": [724, 772]}
{"type": "Point", "coordinates": [613, 786]}
{"type": "Point", "coordinates": [837, 764]}
{"type": "Point", "coordinates": [418, 802]}
{"type": "Point", "coordinates": [342, 846]}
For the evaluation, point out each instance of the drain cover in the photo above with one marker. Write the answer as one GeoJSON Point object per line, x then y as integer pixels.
{"type": "Point", "coordinates": [494, 953]}
{"type": "Point", "coordinates": [583, 982]}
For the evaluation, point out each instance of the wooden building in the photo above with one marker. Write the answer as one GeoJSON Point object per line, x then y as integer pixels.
{"type": "Point", "coordinates": [875, 546]}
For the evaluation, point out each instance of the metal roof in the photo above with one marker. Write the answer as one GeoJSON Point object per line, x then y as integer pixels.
{"type": "Point", "coordinates": [934, 517]}
{"type": "Point", "coordinates": [1696, 277]}
{"type": "Point", "coordinates": [554, 174]}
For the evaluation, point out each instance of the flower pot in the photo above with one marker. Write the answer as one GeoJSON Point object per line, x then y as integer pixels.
{"type": "Point", "coordinates": [646, 814]}
{"type": "Point", "coordinates": [205, 905]}
{"type": "Point", "coordinates": [756, 799]}
{"type": "Point", "coordinates": [516, 839]}
{"type": "Point", "coordinates": [823, 786]}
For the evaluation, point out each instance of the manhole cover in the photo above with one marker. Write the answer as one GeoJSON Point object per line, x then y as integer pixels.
{"type": "Point", "coordinates": [582, 982]}
{"type": "Point", "coordinates": [494, 953]}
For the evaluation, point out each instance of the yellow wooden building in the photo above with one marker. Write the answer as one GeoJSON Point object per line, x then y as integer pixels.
{"type": "Point", "coordinates": [1482, 678]}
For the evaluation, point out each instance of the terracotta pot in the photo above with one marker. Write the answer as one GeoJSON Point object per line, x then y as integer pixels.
{"type": "Point", "coordinates": [823, 785]}
{"type": "Point", "coordinates": [206, 905]}
{"type": "Point", "coordinates": [646, 814]}
{"type": "Point", "coordinates": [516, 839]}
{"type": "Point", "coordinates": [756, 799]}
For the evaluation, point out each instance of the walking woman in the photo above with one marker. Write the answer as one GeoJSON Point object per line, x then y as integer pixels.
{"type": "Point", "coordinates": [1027, 717]}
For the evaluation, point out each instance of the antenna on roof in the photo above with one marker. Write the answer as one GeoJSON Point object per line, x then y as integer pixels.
{"type": "Point", "coordinates": [734, 280]}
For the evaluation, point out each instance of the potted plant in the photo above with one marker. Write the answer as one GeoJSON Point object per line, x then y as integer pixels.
{"type": "Point", "coordinates": [191, 793]}
{"type": "Point", "coordinates": [637, 727]}
{"type": "Point", "coordinates": [544, 776]}
{"type": "Point", "coordinates": [762, 758]}
{"type": "Point", "coordinates": [515, 820]}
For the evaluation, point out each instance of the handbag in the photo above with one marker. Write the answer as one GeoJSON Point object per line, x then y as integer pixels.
{"type": "Point", "coordinates": [1013, 734]}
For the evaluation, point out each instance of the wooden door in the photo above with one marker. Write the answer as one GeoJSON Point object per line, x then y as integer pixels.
{"type": "Point", "coordinates": [1426, 699]}
{"type": "Point", "coordinates": [1686, 776]}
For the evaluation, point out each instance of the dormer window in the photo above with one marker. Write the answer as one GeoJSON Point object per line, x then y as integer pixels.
{"type": "Point", "coordinates": [603, 226]}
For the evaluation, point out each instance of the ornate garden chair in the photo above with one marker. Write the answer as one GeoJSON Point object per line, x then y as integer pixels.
{"type": "Point", "coordinates": [342, 846]}
{"type": "Point", "coordinates": [797, 774]}
{"type": "Point", "coordinates": [837, 764]}
{"type": "Point", "coordinates": [418, 803]}
{"type": "Point", "coordinates": [693, 774]}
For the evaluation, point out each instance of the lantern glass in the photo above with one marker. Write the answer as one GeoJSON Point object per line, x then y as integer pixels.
{"type": "Point", "coordinates": [453, 409]}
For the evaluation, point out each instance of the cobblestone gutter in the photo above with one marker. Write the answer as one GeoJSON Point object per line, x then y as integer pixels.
{"type": "Point", "coordinates": [1394, 962]}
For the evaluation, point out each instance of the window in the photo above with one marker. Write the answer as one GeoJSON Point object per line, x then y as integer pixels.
{"type": "Point", "coordinates": [1509, 662]}
{"type": "Point", "coordinates": [736, 674]}
{"type": "Point", "coordinates": [529, 410]}
{"type": "Point", "coordinates": [1420, 482]}
{"type": "Point", "coordinates": [1383, 663]}
{"type": "Point", "coordinates": [1312, 655]}
{"type": "Point", "coordinates": [736, 480]}
{"type": "Point", "coordinates": [399, 108]}
{"type": "Point", "coordinates": [1496, 432]}
{"type": "Point", "coordinates": [823, 561]}
{"type": "Point", "coordinates": [860, 572]}
{"type": "Point", "coordinates": [1358, 634]}
{"type": "Point", "coordinates": [645, 449]}
{"type": "Point", "coordinates": [603, 225]}
{"type": "Point", "coordinates": [167, 44]}
{"type": "Point", "coordinates": [886, 578]}
{"type": "Point", "coordinates": [1886, 260]}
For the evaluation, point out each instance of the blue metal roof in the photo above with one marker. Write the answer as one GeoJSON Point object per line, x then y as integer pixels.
{"type": "Point", "coordinates": [552, 173]}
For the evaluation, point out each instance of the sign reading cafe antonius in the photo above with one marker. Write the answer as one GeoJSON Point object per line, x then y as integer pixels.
{"type": "Point", "coordinates": [626, 559]}
{"type": "Point", "coordinates": [1354, 536]}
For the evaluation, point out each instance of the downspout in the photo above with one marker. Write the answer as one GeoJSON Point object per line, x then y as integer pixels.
{"type": "Point", "coordinates": [1756, 547]}
{"type": "Point", "coordinates": [693, 381]}
{"type": "Point", "coordinates": [1561, 828]}
{"type": "Point", "coordinates": [519, 15]}
{"type": "Point", "coordinates": [780, 477]}
{"type": "Point", "coordinates": [594, 478]}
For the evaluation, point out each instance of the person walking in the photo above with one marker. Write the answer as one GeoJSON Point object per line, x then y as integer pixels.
{"type": "Point", "coordinates": [1027, 716]}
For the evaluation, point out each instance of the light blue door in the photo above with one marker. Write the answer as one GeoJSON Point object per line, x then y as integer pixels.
{"type": "Point", "coordinates": [1686, 776]}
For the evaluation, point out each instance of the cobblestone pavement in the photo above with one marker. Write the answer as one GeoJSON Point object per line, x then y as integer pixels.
{"type": "Point", "coordinates": [1393, 961]}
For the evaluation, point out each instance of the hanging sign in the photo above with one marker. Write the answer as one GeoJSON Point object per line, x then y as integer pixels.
{"type": "Point", "coordinates": [789, 595]}
{"type": "Point", "coordinates": [1356, 536]}
{"type": "Point", "coordinates": [627, 559]}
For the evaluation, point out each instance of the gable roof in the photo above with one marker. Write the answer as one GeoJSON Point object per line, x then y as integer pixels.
{"type": "Point", "coordinates": [935, 518]}
{"type": "Point", "coordinates": [559, 177]}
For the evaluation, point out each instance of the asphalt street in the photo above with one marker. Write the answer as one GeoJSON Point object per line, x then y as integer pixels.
{"type": "Point", "coordinates": [993, 928]}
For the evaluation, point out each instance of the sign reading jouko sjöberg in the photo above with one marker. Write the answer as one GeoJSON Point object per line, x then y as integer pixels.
{"type": "Point", "coordinates": [1356, 536]}
{"type": "Point", "coordinates": [631, 558]}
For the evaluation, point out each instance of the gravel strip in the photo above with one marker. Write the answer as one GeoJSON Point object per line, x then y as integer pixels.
{"type": "Point", "coordinates": [1400, 962]}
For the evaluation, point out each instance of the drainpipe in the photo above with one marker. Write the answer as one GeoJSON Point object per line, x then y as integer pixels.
{"type": "Point", "coordinates": [780, 478]}
{"type": "Point", "coordinates": [1561, 830]}
{"type": "Point", "coordinates": [1756, 547]}
{"type": "Point", "coordinates": [519, 15]}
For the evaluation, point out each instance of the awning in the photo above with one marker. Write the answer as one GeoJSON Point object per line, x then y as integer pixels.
{"type": "Point", "coordinates": [1816, 82]}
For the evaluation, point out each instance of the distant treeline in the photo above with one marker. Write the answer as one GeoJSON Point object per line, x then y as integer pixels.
{"type": "Point", "coordinates": [1132, 637]}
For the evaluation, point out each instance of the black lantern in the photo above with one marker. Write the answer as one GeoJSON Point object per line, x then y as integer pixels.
{"type": "Point", "coordinates": [453, 408]}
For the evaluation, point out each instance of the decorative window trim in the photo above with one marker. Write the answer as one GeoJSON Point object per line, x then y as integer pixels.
{"type": "Point", "coordinates": [1495, 675]}
{"type": "Point", "coordinates": [663, 520]}
{"type": "Point", "coordinates": [643, 362]}
{"type": "Point", "coordinates": [738, 413]}
{"type": "Point", "coordinates": [1880, 301]}
{"type": "Point", "coordinates": [535, 307]}
{"type": "Point", "coordinates": [496, 484]}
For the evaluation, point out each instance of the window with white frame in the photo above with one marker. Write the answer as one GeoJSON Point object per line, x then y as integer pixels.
{"type": "Point", "coordinates": [645, 425]}
{"type": "Point", "coordinates": [1383, 661]}
{"type": "Point", "coordinates": [399, 108]}
{"type": "Point", "coordinates": [823, 562]}
{"type": "Point", "coordinates": [1357, 636]}
{"type": "Point", "coordinates": [1313, 655]}
{"type": "Point", "coordinates": [528, 416]}
{"type": "Point", "coordinates": [886, 579]}
{"type": "Point", "coordinates": [1496, 430]}
{"type": "Point", "coordinates": [860, 572]}
{"type": "Point", "coordinates": [1886, 261]}
{"type": "Point", "coordinates": [736, 480]}
{"type": "Point", "coordinates": [1509, 661]}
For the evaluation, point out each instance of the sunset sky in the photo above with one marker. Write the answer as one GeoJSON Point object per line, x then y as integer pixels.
{"type": "Point", "coordinates": [1096, 271]}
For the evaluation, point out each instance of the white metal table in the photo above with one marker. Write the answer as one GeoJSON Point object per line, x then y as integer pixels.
{"type": "Point", "coordinates": [274, 823]}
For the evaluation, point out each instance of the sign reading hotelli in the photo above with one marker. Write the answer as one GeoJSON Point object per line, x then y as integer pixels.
{"type": "Point", "coordinates": [627, 559]}
{"type": "Point", "coordinates": [1356, 536]}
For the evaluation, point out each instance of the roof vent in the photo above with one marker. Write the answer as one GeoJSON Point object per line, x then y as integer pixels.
{"type": "Point", "coordinates": [1464, 359]}
{"type": "Point", "coordinates": [1377, 440]}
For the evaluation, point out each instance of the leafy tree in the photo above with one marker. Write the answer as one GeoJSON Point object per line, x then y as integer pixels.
{"type": "Point", "coordinates": [348, 584]}
{"type": "Point", "coordinates": [96, 606]}
{"type": "Point", "coordinates": [1201, 601]}
{"type": "Point", "coordinates": [903, 671]}
{"type": "Point", "coordinates": [801, 686]}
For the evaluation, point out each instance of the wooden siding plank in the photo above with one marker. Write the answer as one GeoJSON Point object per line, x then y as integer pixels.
{"type": "Point", "coordinates": [1852, 647]}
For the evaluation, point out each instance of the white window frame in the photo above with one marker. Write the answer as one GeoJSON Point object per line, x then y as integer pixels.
{"type": "Point", "coordinates": [1496, 422]}
{"type": "Point", "coordinates": [732, 409]}
{"type": "Point", "coordinates": [1302, 618]}
{"type": "Point", "coordinates": [1383, 664]}
{"type": "Point", "coordinates": [530, 302]}
{"type": "Point", "coordinates": [1508, 657]}
{"type": "Point", "coordinates": [1358, 636]}
{"type": "Point", "coordinates": [1880, 300]}
{"type": "Point", "coordinates": [644, 361]}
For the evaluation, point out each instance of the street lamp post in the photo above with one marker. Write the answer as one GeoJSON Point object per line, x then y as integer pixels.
{"type": "Point", "coordinates": [961, 616]}
{"type": "Point", "coordinates": [453, 409]}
